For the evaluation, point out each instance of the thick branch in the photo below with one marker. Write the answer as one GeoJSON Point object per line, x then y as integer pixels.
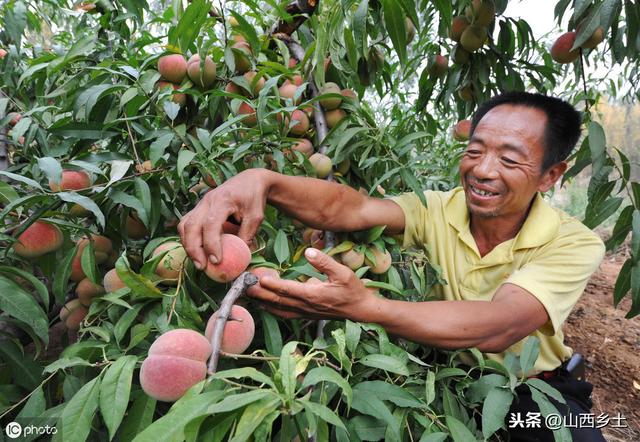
{"type": "Point", "coordinates": [300, 10]}
{"type": "Point", "coordinates": [239, 286]}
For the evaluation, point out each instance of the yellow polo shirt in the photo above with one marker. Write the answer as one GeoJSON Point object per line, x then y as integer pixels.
{"type": "Point", "coordinates": [552, 257]}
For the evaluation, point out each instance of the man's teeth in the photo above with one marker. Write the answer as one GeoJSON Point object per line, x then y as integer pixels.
{"type": "Point", "coordinates": [482, 192]}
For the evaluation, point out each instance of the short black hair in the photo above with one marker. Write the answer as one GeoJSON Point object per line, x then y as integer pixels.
{"type": "Point", "coordinates": [563, 122]}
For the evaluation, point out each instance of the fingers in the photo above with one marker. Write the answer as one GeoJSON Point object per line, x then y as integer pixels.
{"type": "Point", "coordinates": [250, 225]}
{"type": "Point", "coordinates": [211, 231]}
{"type": "Point", "coordinates": [286, 288]}
{"type": "Point", "coordinates": [190, 231]}
{"type": "Point", "coordinates": [287, 314]}
{"type": "Point", "coordinates": [275, 300]}
{"type": "Point", "coordinates": [327, 265]}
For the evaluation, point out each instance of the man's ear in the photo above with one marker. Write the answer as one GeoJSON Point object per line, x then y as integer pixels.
{"type": "Point", "coordinates": [551, 175]}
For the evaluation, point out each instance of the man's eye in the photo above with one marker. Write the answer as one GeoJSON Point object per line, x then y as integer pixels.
{"type": "Point", "coordinates": [508, 160]}
{"type": "Point", "coordinates": [473, 152]}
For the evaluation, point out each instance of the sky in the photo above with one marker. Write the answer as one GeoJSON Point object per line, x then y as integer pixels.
{"type": "Point", "coordinates": [538, 13]}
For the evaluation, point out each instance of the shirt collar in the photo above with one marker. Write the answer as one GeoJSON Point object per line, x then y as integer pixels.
{"type": "Point", "coordinates": [539, 228]}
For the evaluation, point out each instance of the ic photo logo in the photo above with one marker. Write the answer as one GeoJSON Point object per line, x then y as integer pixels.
{"type": "Point", "coordinates": [13, 430]}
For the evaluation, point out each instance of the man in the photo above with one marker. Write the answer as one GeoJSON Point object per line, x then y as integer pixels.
{"type": "Point", "coordinates": [515, 266]}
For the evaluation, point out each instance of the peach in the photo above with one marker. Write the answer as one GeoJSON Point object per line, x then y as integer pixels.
{"type": "Point", "coordinates": [322, 164]}
{"type": "Point", "coordinates": [72, 314]}
{"type": "Point", "coordinates": [38, 239]}
{"type": "Point", "coordinates": [71, 180]}
{"type": "Point", "coordinates": [438, 66]}
{"type": "Point", "coordinates": [458, 25]}
{"type": "Point", "coordinates": [288, 91]}
{"type": "Point", "coordinates": [349, 94]}
{"type": "Point", "coordinates": [473, 37]}
{"type": "Point", "coordinates": [173, 67]}
{"type": "Point", "coordinates": [171, 263]}
{"type": "Point", "coordinates": [343, 167]}
{"type": "Point", "coordinates": [238, 330]}
{"type": "Point", "coordinates": [180, 99]}
{"type": "Point", "coordinates": [352, 259]}
{"type": "Point", "coordinates": [459, 55]}
{"type": "Point", "coordinates": [481, 12]}
{"type": "Point", "coordinates": [3, 53]}
{"type": "Point", "coordinates": [304, 146]}
{"type": "Point", "coordinates": [466, 93]}
{"type": "Point", "coordinates": [241, 53]}
{"type": "Point", "coordinates": [112, 281]}
{"type": "Point", "coordinates": [295, 79]}
{"type": "Point", "coordinates": [102, 247]}
{"type": "Point", "coordinates": [176, 361]}
{"type": "Point", "coordinates": [301, 123]}
{"type": "Point", "coordinates": [561, 49]}
{"type": "Point", "coordinates": [87, 290]}
{"type": "Point", "coordinates": [292, 63]}
{"type": "Point", "coordinates": [330, 103]}
{"type": "Point", "coordinates": [135, 228]}
{"type": "Point", "coordinates": [78, 211]}
{"type": "Point", "coordinates": [250, 118]}
{"type": "Point", "coordinates": [462, 130]}
{"type": "Point", "coordinates": [203, 78]}
{"type": "Point", "coordinates": [333, 117]}
{"type": "Point", "coordinates": [236, 257]}
{"type": "Point", "coordinates": [232, 88]}
{"type": "Point", "coordinates": [261, 272]}
{"type": "Point", "coordinates": [144, 167]}
{"type": "Point", "coordinates": [595, 39]}
{"type": "Point", "coordinates": [15, 117]}
{"type": "Point", "coordinates": [411, 30]}
{"type": "Point", "coordinates": [255, 81]}
{"type": "Point", "coordinates": [383, 261]}
{"type": "Point", "coordinates": [77, 274]}
{"type": "Point", "coordinates": [313, 237]}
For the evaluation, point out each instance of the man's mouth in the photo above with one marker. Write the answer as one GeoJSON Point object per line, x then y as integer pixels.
{"type": "Point", "coordinates": [482, 192]}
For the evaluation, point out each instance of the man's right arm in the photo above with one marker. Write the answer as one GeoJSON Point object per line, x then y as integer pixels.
{"type": "Point", "coordinates": [317, 203]}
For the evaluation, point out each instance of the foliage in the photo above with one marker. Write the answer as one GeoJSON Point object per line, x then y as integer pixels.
{"type": "Point", "coordinates": [84, 83]}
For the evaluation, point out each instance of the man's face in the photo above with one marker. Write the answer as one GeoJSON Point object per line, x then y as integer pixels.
{"type": "Point", "coordinates": [501, 168]}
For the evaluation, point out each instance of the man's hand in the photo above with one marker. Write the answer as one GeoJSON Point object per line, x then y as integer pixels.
{"type": "Point", "coordinates": [243, 197]}
{"type": "Point", "coordinates": [341, 296]}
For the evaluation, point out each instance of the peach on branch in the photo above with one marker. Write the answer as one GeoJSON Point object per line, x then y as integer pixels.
{"type": "Point", "coordinates": [176, 361]}
{"type": "Point", "coordinates": [288, 91]}
{"type": "Point", "coordinates": [561, 49]}
{"type": "Point", "coordinates": [72, 314]}
{"type": "Point", "coordinates": [112, 281]}
{"type": "Point", "coordinates": [144, 167]}
{"type": "Point", "coordinates": [135, 228]}
{"type": "Point", "coordinates": [473, 38]}
{"type": "Point", "coordinates": [241, 54]}
{"type": "Point", "coordinates": [352, 259]}
{"type": "Point", "coordinates": [102, 247]}
{"type": "Point", "coordinates": [77, 274]}
{"type": "Point", "coordinates": [313, 237]}
{"type": "Point", "coordinates": [3, 53]}
{"type": "Point", "coordinates": [38, 239]}
{"type": "Point", "coordinates": [459, 55]}
{"type": "Point", "coordinates": [250, 118]}
{"type": "Point", "coordinates": [203, 78]}
{"type": "Point", "coordinates": [458, 25]}
{"type": "Point", "coordinates": [343, 166]}
{"type": "Point", "coordinates": [462, 130]}
{"type": "Point", "coordinates": [180, 99]}
{"type": "Point", "coordinates": [466, 93]}
{"type": "Point", "coordinates": [233, 88]}
{"type": "Point", "coordinates": [595, 39]}
{"type": "Point", "coordinates": [304, 146]}
{"type": "Point", "coordinates": [350, 94]}
{"type": "Point", "coordinates": [236, 257]}
{"type": "Point", "coordinates": [438, 66]}
{"type": "Point", "coordinates": [172, 67]}
{"type": "Point", "coordinates": [330, 103]}
{"type": "Point", "coordinates": [333, 117]}
{"type": "Point", "coordinates": [255, 81]}
{"type": "Point", "coordinates": [382, 261]}
{"type": "Point", "coordinates": [71, 180]}
{"type": "Point", "coordinates": [295, 79]}
{"type": "Point", "coordinates": [15, 117]}
{"type": "Point", "coordinates": [87, 290]}
{"type": "Point", "coordinates": [481, 12]}
{"type": "Point", "coordinates": [301, 124]}
{"type": "Point", "coordinates": [172, 263]}
{"type": "Point", "coordinates": [322, 164]}
{"type": "Point", "coordinates": [238, 330]}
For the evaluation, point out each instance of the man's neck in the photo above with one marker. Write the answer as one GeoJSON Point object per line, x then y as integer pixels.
{"type": "Point", "coordinates": [489, 232]}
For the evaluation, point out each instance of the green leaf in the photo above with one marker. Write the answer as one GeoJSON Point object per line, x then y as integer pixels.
{"type": "Point", "coordinates": [540, 385]}
{"type": "Point", "coordinates": [529, 354]}
{"type": "Point", "coordinates": [287, 369]}
{"type": "Point", "coordinates": [64, 363]}
{"type": "Point", "coordinates": [623, 282]}
{"type": "Point", "coordinates": [597, 145]}
{"type": "Point", "coordinates": [245, 372]}
{"type": "Point", "coordinates": [86, 202]}
{"type": "Point", "coordinates": [188, 28]}
{"type": "Point", "coordinates": [26, 372]}
{"type": "Point", "coordinates": [272, 335]}
{"type": "Point", "coordinates": [157, 148]}
{"type": "Point", "coordinates": [281, 247]}
{"type": "Point", "coordinates": [388, 392]}
{"type": "Point", "coordinates": [323, 413]}
{"type": "Point", "coordinates": [51, 168]}
{"type": "Point", "coordinates": [19, 304]}
{"type": "Point", "coordinates": [253, 416]}
{"type": "Point", "coordinates": [547, 408]}
{"type": "Point", "coordinates": [495, 409]}
{"type": "Point", "coordinates": [63, 272]}
{"type": "Point", "coordinates": [35, 406]}
{"type": "Point", "coordinates": [22, 179]}
{"type": "Point", "coordinates": [38, 286]}
{"type": "Point", "coordinates": [326, 374]}
{"type": "Point", "coordinates": [75, 422]}
{"type": "Point", "coordinates": [139, 417]}
{"type": "Point", "coordinates": [394, 22]}
{"type": "Point", "coordinates": [478, 391]}
{"type": "Point", "coordinates": [139, 285]}
{"type": "Point", "coordinates": [88, 263]}
{"type": "Point", "coordinates": [459, 432]}
{"type": "Point", "coordinates": [233, 402]}
{"type": "Point", "coordinates": [7, 193]}
{"type": "Point", "coordinates": [125, 321]}
{"type": "Point", "coordinates": [184, 159]}
{"type": "Point", "coordinates": [621, 228]}
{"type": "Point", "coordinates": [384, 362]}
{"type": "Point", "coordinates": [430, 387]}
{"type": "Point", "coordinates": [114, 392]}
{"type": "Point", "coordinates": [413, 183]}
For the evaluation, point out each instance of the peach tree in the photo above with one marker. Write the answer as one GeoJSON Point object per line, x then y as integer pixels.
{"type": "Point", "coordinates": [116, 116]}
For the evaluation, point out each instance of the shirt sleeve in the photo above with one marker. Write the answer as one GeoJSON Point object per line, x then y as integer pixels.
{"type": "Point", "coordinates": [558, 275]}
{"type": "Point", "coordinates": [415, 218]}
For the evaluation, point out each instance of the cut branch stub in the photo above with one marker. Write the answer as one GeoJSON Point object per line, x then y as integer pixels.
{"type": "Point", "coordinates": [299, 10]}
{"type": "Point", "coordinates": [238, 288]}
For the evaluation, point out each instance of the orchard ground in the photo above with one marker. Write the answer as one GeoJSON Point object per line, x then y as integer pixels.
{"type": "Point", "coordinates": [611, 346]}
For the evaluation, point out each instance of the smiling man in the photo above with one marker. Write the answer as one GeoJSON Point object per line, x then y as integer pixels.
{"type": "Point", "coordinates": [515, 266]}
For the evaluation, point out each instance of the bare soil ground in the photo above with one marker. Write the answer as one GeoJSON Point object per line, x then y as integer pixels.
{"type": "Point", "coordinates": [611, 346]}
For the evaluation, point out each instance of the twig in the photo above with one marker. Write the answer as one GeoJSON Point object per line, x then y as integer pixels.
{"type": "Point", "coordinates": [239, 286]}
{"type": "Point", "coordinates": [300, 9]}
{"type": "Point", "coordinates": [584, 84]}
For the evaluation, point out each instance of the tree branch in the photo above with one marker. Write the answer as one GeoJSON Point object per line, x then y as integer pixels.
{"type": "Point", "coordinates": [300, 10]}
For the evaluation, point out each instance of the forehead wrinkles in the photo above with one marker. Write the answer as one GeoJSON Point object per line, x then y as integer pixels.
{"type": "Point", "coordinates": [515, 125]}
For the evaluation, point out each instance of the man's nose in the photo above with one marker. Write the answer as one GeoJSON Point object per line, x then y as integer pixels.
{"type": "Point", "coordinates": [487, 167]}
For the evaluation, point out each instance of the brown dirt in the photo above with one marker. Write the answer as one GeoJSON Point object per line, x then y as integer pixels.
{"type": "Point", "coordinates": [611, 346]}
